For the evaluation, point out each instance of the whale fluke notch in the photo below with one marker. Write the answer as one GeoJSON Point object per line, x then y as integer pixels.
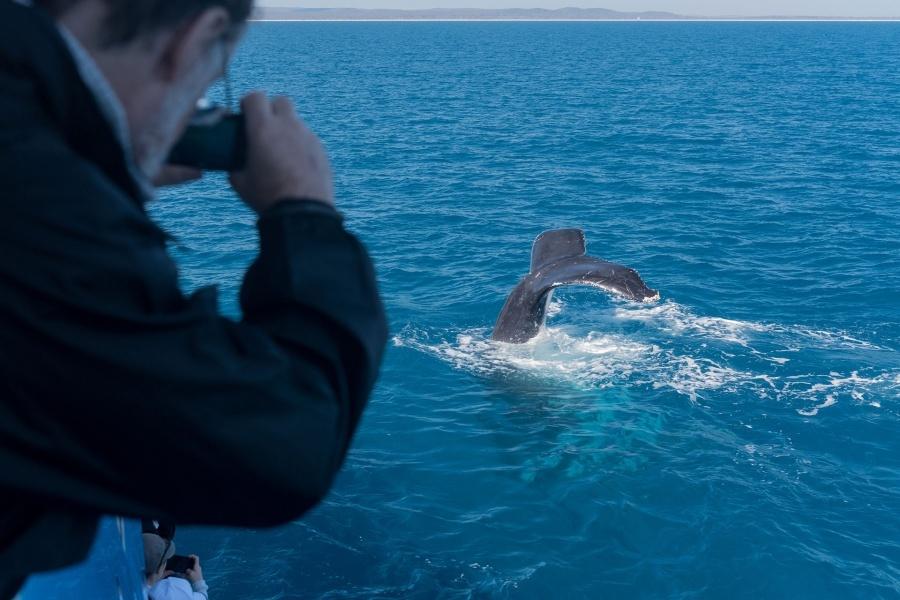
{"type": "Point", "coordinates": [555, 245]}
{"type": "Point", "coordinates": [558, 257]}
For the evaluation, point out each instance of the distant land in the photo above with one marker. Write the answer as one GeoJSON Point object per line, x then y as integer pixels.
{"type": "Point", "coordinates": [507, 14]}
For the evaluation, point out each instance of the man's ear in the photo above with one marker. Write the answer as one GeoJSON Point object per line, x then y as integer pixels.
{"type": "Point", "coordinates": [191, 43]}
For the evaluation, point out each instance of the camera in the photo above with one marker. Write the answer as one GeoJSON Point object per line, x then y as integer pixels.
{"type": "Point", "coordinates": [180, 564]}
{"type": "Point", "coordinates": [214, 140]}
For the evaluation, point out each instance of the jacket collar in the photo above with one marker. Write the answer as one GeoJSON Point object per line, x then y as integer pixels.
{"type": "Point", "coordinates": [35, 55]}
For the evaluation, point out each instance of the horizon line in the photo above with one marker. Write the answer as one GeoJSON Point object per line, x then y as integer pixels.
{"type": "Point", "coordinates": [686, 20]}
{"type": "Point", "coordinates": [626, 15]}
{"type": "Point", "coordinates": [529, 20]}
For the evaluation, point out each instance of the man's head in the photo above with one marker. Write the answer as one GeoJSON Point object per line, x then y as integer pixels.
{"type": "Point", "coordinates": [157, 551]}
{"type": "Point", "coordinates": [160, 56]}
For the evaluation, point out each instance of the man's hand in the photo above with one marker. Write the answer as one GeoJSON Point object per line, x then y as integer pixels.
{"type": "Point", "coordinates": [285, 160]}
{"type": "Point", "coordinates": [174, 175]}
{"type": "Point", "coordinates": [196, 574]}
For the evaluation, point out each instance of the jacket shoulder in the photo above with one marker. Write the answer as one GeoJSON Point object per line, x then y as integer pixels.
{"type": "Point", "coordinates": [38, 168]}
{"type": "Point", "coordinates": [68, 230]}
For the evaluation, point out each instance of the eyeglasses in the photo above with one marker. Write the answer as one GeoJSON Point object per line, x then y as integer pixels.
{"type": "Point", "coordinates": [226, 78]}
{"type": "Point", "coordinates": [229, 95]}
{"type": "Point", "coordinates": [206, 107]}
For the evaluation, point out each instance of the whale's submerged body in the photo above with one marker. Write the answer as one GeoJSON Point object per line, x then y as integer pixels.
{"type": "Point", "coordinates": [558, 258]}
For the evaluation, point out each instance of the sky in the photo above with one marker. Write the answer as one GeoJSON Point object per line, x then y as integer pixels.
{"type": "Point", "coordinates": [823, 8]}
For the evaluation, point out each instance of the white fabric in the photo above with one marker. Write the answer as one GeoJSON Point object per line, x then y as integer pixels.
{"type": "Point", "coordinates": [176, 588]}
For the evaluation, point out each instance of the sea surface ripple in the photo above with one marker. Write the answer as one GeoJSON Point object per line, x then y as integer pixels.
{"type": "Point", "coordinates": [737, 438]}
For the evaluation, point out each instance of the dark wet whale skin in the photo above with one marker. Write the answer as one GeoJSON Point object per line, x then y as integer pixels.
{"type": "Point", "coordinates": [525, 310]}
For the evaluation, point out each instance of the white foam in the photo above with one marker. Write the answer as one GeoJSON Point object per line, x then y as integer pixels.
{"type": "Point", "coordinates": [677, 350]}
{"type": "Point", "coordinates": [554, 307]}
{"type": "Point", "coordinates": [692, 376]}
{"type": "Point", "coordinates": [674, 318]}
{"type": "Point", "coordinates": [597, 361]}
{"type": "Point", "coordinates": [811, 412]}
{"type": "Point", "coordinates": [834, 339]}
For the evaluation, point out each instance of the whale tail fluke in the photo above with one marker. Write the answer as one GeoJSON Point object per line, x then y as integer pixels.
{"type": "Point", "coordinates": [553, 246]}
{"type": "Point", "coordinates": [558, 258]}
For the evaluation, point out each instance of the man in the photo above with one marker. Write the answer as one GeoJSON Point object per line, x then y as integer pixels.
{"type": "Point", "coordinates": [104, 364]}
{"type": "Point", "coordinates": [162, 584]}
{"type": "Point", "coordinates": [172, 586]}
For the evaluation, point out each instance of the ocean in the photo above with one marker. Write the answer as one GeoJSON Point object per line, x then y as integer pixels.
{"type": "Point", "coordinates": [738, 438]}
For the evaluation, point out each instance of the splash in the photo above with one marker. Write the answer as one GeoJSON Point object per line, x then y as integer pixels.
{"type": "Point", "coordinates": [672, 348]}
{"type": "Point", "coordinates": [676, 319]}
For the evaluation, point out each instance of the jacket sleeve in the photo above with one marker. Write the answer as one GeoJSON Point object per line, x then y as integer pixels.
{"type": "Point", "coordinates": [125, 396]}
{"type": "Point", "coordinates": [200, 590]}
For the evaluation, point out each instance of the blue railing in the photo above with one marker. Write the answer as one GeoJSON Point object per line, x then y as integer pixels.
{"type": "Point", "coordinates": [112, 571]}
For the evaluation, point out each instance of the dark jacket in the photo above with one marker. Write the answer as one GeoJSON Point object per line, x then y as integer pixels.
{"type": "Point", "coordinates": [110, 377]}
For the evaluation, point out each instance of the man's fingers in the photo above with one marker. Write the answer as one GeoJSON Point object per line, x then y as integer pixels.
{"type": "Point", "coordinates": [282, 106]}
{"type": "Point", "coordinates": [257, 110]}
{"type": "Point", "coordinates": [285, 159]}
{"type": "Point", "coordinates": [255, 102]}
{"type": "Point", "coordinates": [175, 174]}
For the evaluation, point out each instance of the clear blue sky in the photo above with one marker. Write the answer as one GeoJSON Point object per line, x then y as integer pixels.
{"type": "Point", "coordinates": [850, 8]}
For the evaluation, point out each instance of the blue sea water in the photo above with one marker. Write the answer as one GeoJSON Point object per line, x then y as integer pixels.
{"type": "Point", "coordinates": [738, 438]}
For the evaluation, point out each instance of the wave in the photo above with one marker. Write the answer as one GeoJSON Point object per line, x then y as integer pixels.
{"type": "Point", "coordinates": [672, 348]}
{"type": "Point", "coordinates": [677, 319]}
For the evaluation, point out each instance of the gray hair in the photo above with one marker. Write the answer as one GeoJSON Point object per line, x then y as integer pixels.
{"type": "Point", "coordinates": [129, 20]}
{"type": "Point", "coordinates": [157, 551]}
